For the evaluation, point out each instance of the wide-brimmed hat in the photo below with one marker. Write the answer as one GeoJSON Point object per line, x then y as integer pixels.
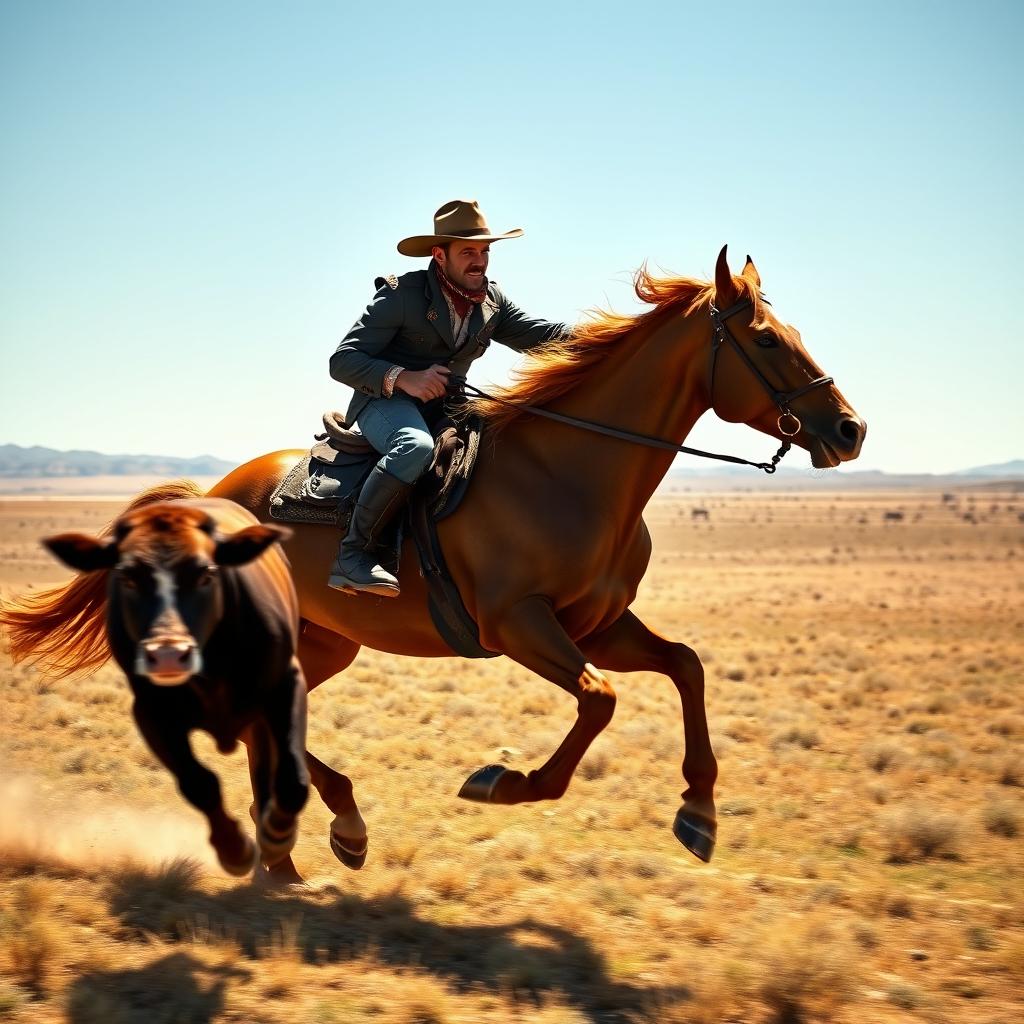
{"type": "Point", "coordinates": [455, 221]}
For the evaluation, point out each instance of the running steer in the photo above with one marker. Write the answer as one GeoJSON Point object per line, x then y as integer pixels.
{"type": "Point", "coordinates": [206, 630]}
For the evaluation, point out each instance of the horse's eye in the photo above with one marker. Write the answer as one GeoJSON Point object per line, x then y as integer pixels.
{"type": "Point", "coordinates": [207, 575]}
{"type": "Point", "coordinates": [767, 340]}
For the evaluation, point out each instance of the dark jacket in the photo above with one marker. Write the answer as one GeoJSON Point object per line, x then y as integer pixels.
{"type": "Point", "coordinates": [408, 325]}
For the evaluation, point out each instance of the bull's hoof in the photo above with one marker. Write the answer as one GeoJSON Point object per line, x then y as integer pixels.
{"type": "Point", "coordinates": [244, 863]}
{"type": "Point", "coordinates": [276, 843]}
{"type": "Point", "coordinates": [282, 875]}
{"type": "Point", "coordinates": [351, 852]}
{"type": "Point", "coordinates": [480, 785]}
{"type": "Point", "coordinates": [696, 834]}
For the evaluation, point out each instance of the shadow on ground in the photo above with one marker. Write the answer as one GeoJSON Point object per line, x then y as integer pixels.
{"type": "Point", "coordinates": [527, 957]}
{"type": "Point", "coordinates": [176, 988]}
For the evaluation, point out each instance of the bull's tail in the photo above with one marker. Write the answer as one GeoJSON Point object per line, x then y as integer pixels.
{"type": "Point", "coordinates": [63, 630]}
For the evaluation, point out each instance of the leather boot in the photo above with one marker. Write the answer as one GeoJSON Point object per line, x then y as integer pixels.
{"type": "Point", "coordinates": [383, 496]}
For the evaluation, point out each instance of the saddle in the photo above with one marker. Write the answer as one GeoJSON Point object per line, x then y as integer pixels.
{"type": "Point", "coordinates": [322, 487]}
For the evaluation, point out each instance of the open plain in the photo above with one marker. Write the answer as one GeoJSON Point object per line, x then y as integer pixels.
{"type": "Point", "coordinates": [864, 695]}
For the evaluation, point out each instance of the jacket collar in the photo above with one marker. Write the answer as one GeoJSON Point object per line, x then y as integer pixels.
{"type": "Point", "coordinates": [478, 317]}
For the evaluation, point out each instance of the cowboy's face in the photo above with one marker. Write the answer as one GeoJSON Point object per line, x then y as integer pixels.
{"type": "Point", "coordinates": [465, 263]}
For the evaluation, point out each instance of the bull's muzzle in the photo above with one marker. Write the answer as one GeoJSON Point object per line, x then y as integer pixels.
{"type": "Point", "coordinates": [168, 660]}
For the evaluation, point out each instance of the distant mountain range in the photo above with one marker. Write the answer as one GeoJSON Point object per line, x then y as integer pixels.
{"type": "Point", "coordinates": [733, 477]}
{"type": "Point", "coordinates": [1002, 470]}
{"type": "Point", "coordinates": [47, 462]}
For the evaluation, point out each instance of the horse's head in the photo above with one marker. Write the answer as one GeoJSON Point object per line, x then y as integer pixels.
{"type": "Point", "coordinates": [762, 375]}
{"type": "Point", "coordinates": [166, 595]}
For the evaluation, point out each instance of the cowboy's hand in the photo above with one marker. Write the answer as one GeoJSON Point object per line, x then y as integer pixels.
{"type": "Point", "coordinates": [424, 384]}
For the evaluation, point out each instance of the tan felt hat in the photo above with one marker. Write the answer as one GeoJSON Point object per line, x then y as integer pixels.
{"type": "Point", "coordinates": [455, 221]}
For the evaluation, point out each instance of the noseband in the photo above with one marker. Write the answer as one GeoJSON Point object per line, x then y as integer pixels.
{"type": "Point", "coordinates": [721, 335]}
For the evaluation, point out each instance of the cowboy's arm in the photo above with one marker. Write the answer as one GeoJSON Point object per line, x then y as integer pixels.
{"type": "Point", "coordinates": [355, 361]}
{"type": "Point", "coordinates": [520, 332]}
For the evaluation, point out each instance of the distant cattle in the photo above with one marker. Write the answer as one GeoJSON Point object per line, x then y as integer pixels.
{"type": "Point", "coordinates": [948, 498]}
{"type": "Point", "coordinates": [202, 618]}
{"type": "Point", "coordinates": [892, 516]}
{"type": "Point", "coordinates": [700, 513]}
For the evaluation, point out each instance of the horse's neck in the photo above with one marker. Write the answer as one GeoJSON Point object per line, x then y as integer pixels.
{"type": "Point", "coordinates": [655, 384]}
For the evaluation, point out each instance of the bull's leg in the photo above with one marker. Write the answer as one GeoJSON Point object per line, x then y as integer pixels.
{"type": "Point", "coordinates": [531, 635]}
{"type": "Point", "coordinates": [322, 654]}
{"type": "Point", "coordinates": [285, 720]}
{"type": "Point", "coordinates": [199, 786]}
{"type": "Point", "coordinates": [629, 646]}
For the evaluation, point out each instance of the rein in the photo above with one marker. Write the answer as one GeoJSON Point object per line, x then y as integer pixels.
{"type": "Point", "coordinates": [722, 334]}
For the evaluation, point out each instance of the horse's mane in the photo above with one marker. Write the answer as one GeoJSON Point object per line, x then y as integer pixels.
{"type": "Point", "coordinates": [558, 366]}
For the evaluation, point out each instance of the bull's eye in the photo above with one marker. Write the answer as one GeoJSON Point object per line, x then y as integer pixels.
{"type": "Point", "coordinates": [207, 575]}
{"type": "Point", "coordinates": [767, 340]}
{"type": "Point", "coordinates": [127, 583]}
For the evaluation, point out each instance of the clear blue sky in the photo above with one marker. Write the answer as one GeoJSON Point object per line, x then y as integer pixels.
{"type": "Point", "coordinates": [196, 197]}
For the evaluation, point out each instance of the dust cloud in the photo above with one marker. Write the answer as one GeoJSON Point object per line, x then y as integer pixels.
{"type": "Point", "coordinates": [36, 826]}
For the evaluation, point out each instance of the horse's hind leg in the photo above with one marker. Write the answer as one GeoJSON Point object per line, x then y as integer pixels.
{"type": "Point", "coordinates": [629, 646]}
{"type": "Point", "coordinates": [531, 635]}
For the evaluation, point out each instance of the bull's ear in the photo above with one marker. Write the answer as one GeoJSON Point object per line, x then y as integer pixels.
{"type": "Point", "coordinates": [247, 544]}
{"type": "Point", "coordinates": [726, 293]}
{"type": "Point", "coordinates": [749, 271]}
{"type": "Point", "coordinates": [82, 552]}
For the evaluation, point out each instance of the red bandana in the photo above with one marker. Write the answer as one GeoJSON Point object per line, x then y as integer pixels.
{"type": "Point", "coordinates": [463, 301]}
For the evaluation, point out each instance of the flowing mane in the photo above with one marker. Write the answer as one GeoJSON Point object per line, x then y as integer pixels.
{"type": "Point", "coordinates": [556, 368]}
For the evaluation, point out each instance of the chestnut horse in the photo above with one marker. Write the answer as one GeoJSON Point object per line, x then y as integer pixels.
{"type": "Point", "coordinates": [549, 545]}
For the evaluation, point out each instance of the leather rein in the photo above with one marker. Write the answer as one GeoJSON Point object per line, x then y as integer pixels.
{"type": "Point", "coordinates": [720, 337]}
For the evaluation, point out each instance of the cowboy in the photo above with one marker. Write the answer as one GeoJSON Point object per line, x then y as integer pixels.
{"type": "Point", "coordinates": [415, 340]}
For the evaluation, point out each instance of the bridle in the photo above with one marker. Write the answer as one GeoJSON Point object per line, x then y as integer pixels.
{"type": "Point", "coordinates": [720, 336]}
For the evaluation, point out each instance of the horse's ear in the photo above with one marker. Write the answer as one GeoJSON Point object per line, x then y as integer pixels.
{"type": "Point", "coordinates": [750, 273]}
{"type": "Point", "coordinates": [726, 293]}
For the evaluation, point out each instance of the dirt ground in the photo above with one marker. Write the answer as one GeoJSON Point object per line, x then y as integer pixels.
{"type": "Point", "coordinates": [864, 695]}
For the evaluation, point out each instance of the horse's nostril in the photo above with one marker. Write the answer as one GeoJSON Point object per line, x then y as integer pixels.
{"type": "Point", "coordinates": [851, 430]}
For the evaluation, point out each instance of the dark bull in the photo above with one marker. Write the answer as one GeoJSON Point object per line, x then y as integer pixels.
{"type": "Point", "coordinates": [204, 623]}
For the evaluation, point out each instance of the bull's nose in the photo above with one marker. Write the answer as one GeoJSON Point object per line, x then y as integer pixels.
{"type": "Point", "coordinates": [168, 660]}
{"type": "Point", "coordinates": [849, 434]}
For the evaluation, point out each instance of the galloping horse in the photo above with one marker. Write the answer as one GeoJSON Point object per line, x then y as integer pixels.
{"type": "Point", "coordinates": [549, 545]}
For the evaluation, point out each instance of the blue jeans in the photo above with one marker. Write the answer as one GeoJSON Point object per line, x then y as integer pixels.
{"type": "Point", "coordinates": [396, 428]}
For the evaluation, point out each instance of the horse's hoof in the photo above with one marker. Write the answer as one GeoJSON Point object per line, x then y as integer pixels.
{"type": "Point", "coordinates": [696, 834]}
{"type": "Point", "coordinates": [245, 864]}
{"type": "Point", "coordinates": [351, 852]}
{"type": "Point", "coordinates": [480, 785]}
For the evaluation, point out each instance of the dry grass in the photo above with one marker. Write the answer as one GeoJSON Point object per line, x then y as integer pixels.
{"type": "Point", "coordinates": [863, 695]}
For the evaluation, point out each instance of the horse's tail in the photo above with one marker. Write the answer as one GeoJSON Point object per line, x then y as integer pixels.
{"type": "Point", "coordinates": [63, 630]}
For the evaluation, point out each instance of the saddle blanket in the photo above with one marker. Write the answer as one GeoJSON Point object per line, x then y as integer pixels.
{"type": "Point", "coordinates": [322, 487]}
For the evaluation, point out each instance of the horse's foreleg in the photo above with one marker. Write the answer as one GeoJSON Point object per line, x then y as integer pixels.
{"type": "Point", "coordinates": [629, 646]}
{"type": "Point", "coordinates": [530, 634]}
{"type": "Point", "coordinates": [199, 786]}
